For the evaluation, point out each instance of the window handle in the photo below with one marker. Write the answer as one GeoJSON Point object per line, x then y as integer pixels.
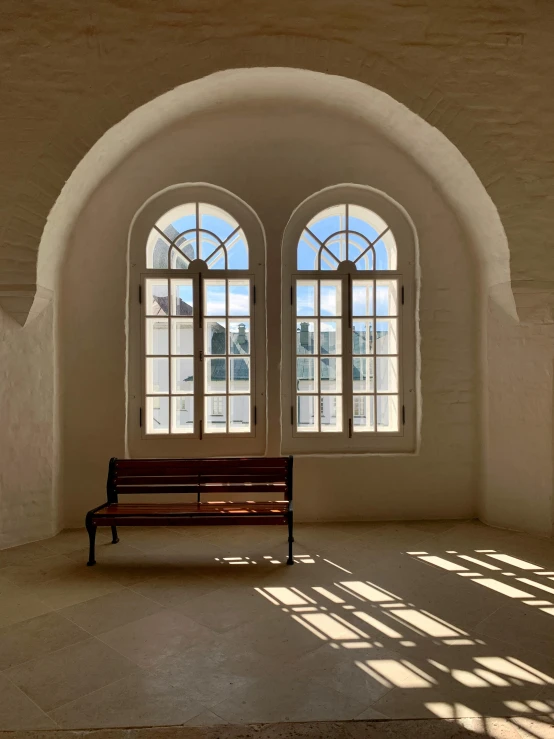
{"type": "Point", "coordinates": [350, 428]}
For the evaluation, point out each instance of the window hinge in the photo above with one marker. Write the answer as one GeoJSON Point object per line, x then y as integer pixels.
{"type": "Point", "coordinates": [292, 415]}
{"type": "Point", "coordinates": [402, 294]}
{"type": "Point", "coordinates": [140, 417]}
{"type": "Point", "coordinates": [254, 294]}
{"type": "Point", "coordinates": [403, 415]}
{"type": "Point", "coordinates": [140, 293]}
{"type": "Point", "coordinates": [291, 295]}
{"type": "Point", "coordinates": [255, 415]}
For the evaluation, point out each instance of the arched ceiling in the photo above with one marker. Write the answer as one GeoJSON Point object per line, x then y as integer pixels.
{"type": "Point", "coordinates": [473, 70]}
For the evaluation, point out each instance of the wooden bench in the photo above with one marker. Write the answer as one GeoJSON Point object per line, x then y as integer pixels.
{"type": "Point", "coordinates": [198, 477]}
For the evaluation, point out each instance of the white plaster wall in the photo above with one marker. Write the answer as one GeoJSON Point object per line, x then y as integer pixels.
{"type": "Point", "coordinates": [517, 491]}
{"type": "Point", "coordinates": [273, 156]}
{"type": "Point", "coordinates": [27, 458]}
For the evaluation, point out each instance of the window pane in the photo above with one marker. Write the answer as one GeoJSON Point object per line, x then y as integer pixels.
{"type": "Point", "coordinates": [308, 249]}
{"type": "Point", "coordinates": [182, 421]}
{"type": "Point", "coordinates": [237, 251]}
{"type": "Point", "coordinates": [157, 375]}
{"type": "Point", "coordinates": [157, 415]}
{"type": "Point", "coordinates": [182, 338]}
{"type": "Point", "coordinates": [364, 413]}
{"type": "Point", "coordinates": [362, 337]}
{"type": "Point", "coordinates": [387, 413]}
{"type": "Point", "coordinates": [215, 411]}
{"type": "Point", "coordinates": [330, 375]}
{"type": "Point", "coordinates": [239, 413]}
{"type": "Point", "coordinates": [216, 375]}
{"type": "Point", "coordinates": [239, 337]}
{"type": "Point", "coordinates": [178, 257]}
{"type": "Point", "coordinates": [181, 298]}
{"type": "Point", "coordinates": [216, 220]}
{"type": "Point", "coordinates": [214, 298]}
{"type": "Point", "coordinates": [387, 341]}
{"type": "Point", "coordinates": [239, 297]}
{"type": "Point", "coordinates": [306, 380]}
{"type": "Point", "coordinates": [387, 375]}
{"type": "Point", "coordinates": [306, 298]}
{"type": "Point", "coordinates": [307, 413]}
{"type": "Point", "coordinates": [331, 413]}
{"type": "Point", "coordinates": [330, 298]}
{"type": "Point", "coordinates": [239, 375]}
{"type": "Point", "coordinates": [157, 298]}
{"type": "Point", "coordinates": [330, 338]}
{"type": "Point", "coordinates": [387, 299]}
{"type": "Point", "coordinates": [182, 374]}
{"type": "Point", "coordinates": [306, 337]}
{"type": "Point", "coordinates": [157, 336]}
{"type": "Point", "coordinates": [362, 297]}
{"type": "Point", "coordinates": [362, 374]}
{"type": "Point", "coordinates": [215, 337]}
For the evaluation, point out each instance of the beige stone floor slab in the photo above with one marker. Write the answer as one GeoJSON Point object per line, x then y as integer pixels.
{"type": "Point", "coordinates": [17, 604]}
{"type": "Point", "coordinates": [40, 570]}
{"type": "Point", "coordinates": [150, 640]}
{"type": "Point", "coordinates": [228, 608]}
{"type": "Point", "coordinates": [76, 588]}
{"type": "Point", "coordinates": [17, 711]}
{"type": "Point", "coordinates": [142, 699]}
{"type": "Point", "coordinates": [28, 640]}
{"type": "Point", "coordinates": [65, 675]}
{"type": "Point", "coordinates": [110, 611]}
{"type": "Point", "coordinates": [23, 553]}
{"type": "Point", "coordinates": [287, 698]}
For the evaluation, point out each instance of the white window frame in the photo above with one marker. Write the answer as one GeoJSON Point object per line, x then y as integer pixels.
{"type": "Point", "coordinates": [347, 441]}
{"type": "Point", "coordinates": [198, 444]}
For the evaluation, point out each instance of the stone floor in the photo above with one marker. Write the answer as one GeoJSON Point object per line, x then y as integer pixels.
{"type": "Point", "coordinates": [208, 627]}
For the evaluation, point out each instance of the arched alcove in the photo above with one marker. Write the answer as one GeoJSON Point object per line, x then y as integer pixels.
{"type": "Point", "coordinates": [273, 137]}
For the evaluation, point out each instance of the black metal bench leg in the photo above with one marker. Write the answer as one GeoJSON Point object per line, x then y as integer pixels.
{"type": "Point", "coordinates": [290, 560]}
{"type": "Point", "coordinates": [115, 537]}
{"type": "Point", "coordinates": [91, 528]}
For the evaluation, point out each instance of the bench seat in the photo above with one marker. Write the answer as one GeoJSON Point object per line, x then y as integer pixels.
{"type": "Point", "coordinates": [144, 514]}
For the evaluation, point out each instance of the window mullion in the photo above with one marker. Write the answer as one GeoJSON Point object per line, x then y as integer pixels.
{"type": "Point", "coordinates": [199, 358]}
{"type": "Point", "coordinates": [348, 418]}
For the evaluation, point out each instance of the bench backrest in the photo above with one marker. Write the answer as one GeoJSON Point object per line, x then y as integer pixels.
{"type": "Point", "coordinates": [271, 475]}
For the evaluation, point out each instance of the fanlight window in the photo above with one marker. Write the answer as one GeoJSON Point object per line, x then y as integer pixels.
{"type": "Point", "coordinates": [197, 231]}
{"type": "Point", "coordinates": [347, 233]}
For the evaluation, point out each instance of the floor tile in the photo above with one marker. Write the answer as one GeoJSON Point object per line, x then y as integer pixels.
{"type": "Point", "coordinates": [31, 639]}
{"type": "Point", "coordinates": [150, 640]}
{"type": "Point", "coordinates": [523, 627]}
{"type": "Point", "coordinates": [69, 673]}
{"type": "Point", "coordinates": [24, 553]}
{"type": "Point", "coordinates": [71, 540]}
{"type": "Point", "coordinates": [278, 637]}
{"type": "Point", "coordinates": [39, 570]}
{"type": "Point", "coordinates": [142, 699]}
{"type": "Point", "coordinates": [18, 712]}
{"type": "Point", "coordinates": [340, 670]}
{"type": "Point", "coordinates": [287, 699]}
{"type": "Point", "coordinates": [17, 604]}
{"type": "Point", "coordinates": [227, 608]}
{"type": "Point", "coordinates": [212, 673]}
{"type": "Point", "coordinates": [76, 588]}
{"type": "Point", "coordinates": [176, 588]}
{"type": "Point", "coordinates": [110, 611]}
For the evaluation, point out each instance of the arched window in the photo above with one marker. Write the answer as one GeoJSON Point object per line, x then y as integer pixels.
{"type": "Point", "coordinates": [199, 275]}
{"type": "Point", "coordinates": [348, 324]}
